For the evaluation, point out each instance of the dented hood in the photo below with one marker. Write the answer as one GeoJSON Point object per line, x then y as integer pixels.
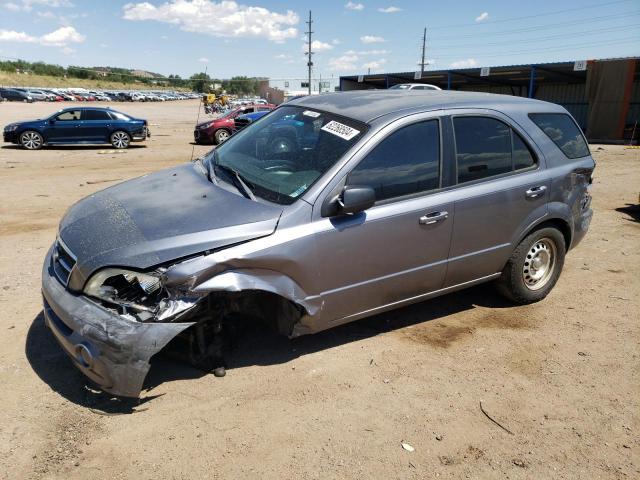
{"type": "Point", "coordinates": [158, 218]}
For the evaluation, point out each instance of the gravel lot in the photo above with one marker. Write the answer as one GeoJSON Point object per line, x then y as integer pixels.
{"type": "Point", "coordinates": [563, 375]}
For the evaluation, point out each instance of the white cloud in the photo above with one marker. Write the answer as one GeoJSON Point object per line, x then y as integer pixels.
{"type": "Point", "coordinates": [367, 52]}
{"type": "Point", "coordinates": [467, 63]}
{"type": "Point", "coordinates": [27, 5]}
{"type": "Point", "coordinates": [224, 19]}
{"type": "Point", "coordinates": [482, 17]}
{"type": "Point", "coordinates": [318, 46]}
{"type": "Point", "coordinates": [58, 38]}
{"type": "Point", "coordinates": [354, 6]}
{"type": "Point", "coordinates": [371, 39]}
{"type": "Point", "coordinates": [390, 10]}
{"type": "Point", "coordinates": [164, 37]}
{"type": "Point", "coordinates": [375, 64]}
{"type": "Point", "coordinates": [203, 60]}
{"type": "Point", "coordinates": [68, 50]}
{"type": "Point", "coordinates": [103, 45]}
{"type": "Point", "coordinates": [61, 37]}
{"type": "Point", "coordinates": [336, 41]}
{"type": "Point", "coordinates": [343, 63]}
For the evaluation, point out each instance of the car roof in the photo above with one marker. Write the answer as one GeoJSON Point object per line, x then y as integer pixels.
{"type": "Point", "coordinates": [369, 105]}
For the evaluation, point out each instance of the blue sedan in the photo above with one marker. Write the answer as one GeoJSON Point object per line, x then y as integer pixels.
{"type": "Point", "coordinates": [78, 126]}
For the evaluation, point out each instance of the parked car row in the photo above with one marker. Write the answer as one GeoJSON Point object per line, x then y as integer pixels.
{"type": "Point", "coordinates": [28, 95]}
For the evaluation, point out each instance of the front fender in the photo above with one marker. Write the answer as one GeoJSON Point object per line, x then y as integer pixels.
{"type": "Point", "coordinates": [263, 280]}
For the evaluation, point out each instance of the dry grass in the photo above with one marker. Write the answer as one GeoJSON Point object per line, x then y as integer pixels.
{"type": "Point", "coordinates": [8, 79]}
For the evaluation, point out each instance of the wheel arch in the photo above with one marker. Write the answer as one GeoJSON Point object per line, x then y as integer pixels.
{"type": "Point", "coordinates": [558, 223]}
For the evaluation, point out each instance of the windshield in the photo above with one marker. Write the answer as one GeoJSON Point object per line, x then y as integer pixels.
{"type": "Point", "coordinates": [400, 87]}
{"type": "Point", "coordinates": [282, 154]}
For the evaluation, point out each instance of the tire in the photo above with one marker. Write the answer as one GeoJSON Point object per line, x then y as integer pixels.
{"type": "Point", "coordinates": [120, 139]}
{"type": "Point", "coordinates": [221, 135]}
{"type": "Point", "coordinates": [31, 140]}
{"type": "Point", "coordinates": [534, 267]}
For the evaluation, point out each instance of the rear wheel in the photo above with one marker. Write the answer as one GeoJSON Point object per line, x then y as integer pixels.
{"type": "Point", "coordinates": [31, 140]}
{"type": "Point", "coordinates": [221, 136]}
{"type": "Point", "coordinates": [534, 267]}
{"type": "Point", "coordinates": [120, 139]}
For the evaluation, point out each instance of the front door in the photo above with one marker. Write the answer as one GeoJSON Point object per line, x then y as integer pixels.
{"type": "Point", "coordinates": [396, 250]}
{"type": "Point", "coordinates": [65, 127]}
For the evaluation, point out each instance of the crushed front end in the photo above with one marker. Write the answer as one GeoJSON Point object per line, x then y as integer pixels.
{"type": "Point", "coordinates": [117, 323]}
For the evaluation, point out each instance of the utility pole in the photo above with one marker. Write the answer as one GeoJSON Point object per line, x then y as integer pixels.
{"type": "Point", "coordinates": [309, 52]}
{"type": "Point", "coordinates": [424, 47]}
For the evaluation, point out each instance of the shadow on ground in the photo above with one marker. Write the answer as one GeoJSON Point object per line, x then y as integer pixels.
{"type": "Point", "coordinates": [258, 346]}
{"type": "Point", "coordinates": [632, 210]}
{"type": "Point", "coordinates": [74, 147]}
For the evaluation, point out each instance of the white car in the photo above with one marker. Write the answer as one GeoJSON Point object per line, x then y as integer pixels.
{"type": "Point", "coordinates": [414, 86]}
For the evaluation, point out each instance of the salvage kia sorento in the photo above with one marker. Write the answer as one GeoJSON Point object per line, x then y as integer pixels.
{"type": "Point", "coordinates": [329, 209]}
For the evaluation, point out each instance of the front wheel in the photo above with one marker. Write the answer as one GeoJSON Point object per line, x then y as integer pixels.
{"type": "Point", "coordinates": [31, 140]}
{"type": "Point", "coordinates": [534, 267]}
{"type": "Point", "coordinates": [221, 136]}
{"type": "Point", "coordinates": [120, 139]}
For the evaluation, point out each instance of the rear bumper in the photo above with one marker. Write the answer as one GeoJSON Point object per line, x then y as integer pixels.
{"type": "Point", "coordinates": [581, 226]}
{"type": "Point", "coordinates": [141, 136]}
{"type": "Point", "coordinates": [110, 350]}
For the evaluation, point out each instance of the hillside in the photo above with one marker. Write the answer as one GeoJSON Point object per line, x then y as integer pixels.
{"type": "Point", "coordinates": [9, 79]}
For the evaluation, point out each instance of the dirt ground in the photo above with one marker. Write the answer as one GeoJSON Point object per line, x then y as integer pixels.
{"type": "Point", "coordinates": [562, 376]}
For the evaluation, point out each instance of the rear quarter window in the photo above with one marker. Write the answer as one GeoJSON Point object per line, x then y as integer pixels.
{"type": "Point", "coordinates": [562, 131]}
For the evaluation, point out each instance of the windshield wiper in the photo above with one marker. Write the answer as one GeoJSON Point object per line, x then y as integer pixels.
{"type": "Point", "coordinates": [239, 183]}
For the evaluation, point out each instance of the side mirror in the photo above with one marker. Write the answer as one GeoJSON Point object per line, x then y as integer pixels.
{"type": "Point", "coordinates": [356, 199]}
{"type": "Point", "coordinates": [52, 121]}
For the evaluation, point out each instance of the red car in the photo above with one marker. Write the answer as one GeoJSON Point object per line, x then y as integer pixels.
{"type": "Point", "coordinates": [218, 130]}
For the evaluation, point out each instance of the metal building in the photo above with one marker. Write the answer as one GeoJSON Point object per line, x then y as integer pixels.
{"type": "Point", "coordinates": [603, 95]}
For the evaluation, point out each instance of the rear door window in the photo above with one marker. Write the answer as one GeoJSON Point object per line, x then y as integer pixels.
{"type": "Point", "coordinates": [486, 147]}
{"type": "Point", "coordinates": [562, 131]}
{"type": "Point", "coordinates": [96, 115]}
{"type": "Point", "coordinates": [404, 163]}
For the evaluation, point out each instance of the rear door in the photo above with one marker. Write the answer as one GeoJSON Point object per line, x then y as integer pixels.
{"type": "Point", "coordinates": [95, 126]}
{"type": "Point", "coordinates": [65, 127]}
{"type": "Point", "coordinates": [501, 189]}
{"type": "Point", "coordinates": [396, 250]}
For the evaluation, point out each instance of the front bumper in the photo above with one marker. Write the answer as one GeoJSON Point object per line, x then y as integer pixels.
{"type": "Point", "coordinates": [202, 135]}
{"type": "Point", "coordinates": [10, 137]}
{"type": "Point", "coordinates": [110, 350]}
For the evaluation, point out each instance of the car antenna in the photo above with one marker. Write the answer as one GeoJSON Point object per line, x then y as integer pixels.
{"type": "Point", "coordinates": [193, 148]}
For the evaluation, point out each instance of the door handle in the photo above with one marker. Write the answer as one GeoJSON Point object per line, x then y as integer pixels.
{"type": "Point", "coordinates": [433, 217]}
{"type": "Point", "coordinates": [535, 192]}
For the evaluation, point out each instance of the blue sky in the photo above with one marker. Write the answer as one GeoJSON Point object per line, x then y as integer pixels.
{"type": "Point", "coordinates": [264, 37]}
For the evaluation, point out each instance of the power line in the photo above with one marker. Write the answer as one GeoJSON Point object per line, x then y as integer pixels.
{"type": "Point", "coordinates": [597, 31]}
{"type": "Point", "coordinates": [579, 22]}
{"type": "Point", "coordinates": [544, 14]}
{"type": "Point", "coordinates": [630, 40]}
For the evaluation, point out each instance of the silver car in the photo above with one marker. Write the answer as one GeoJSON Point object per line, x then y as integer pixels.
{"type": "Point", "coordinates": [327, 210]}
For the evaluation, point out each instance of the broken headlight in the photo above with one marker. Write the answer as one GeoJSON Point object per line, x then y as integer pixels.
{"type": "Point", "coordinates": [140, 296]}
{"type": "Point", "coordinates": [140, 292]}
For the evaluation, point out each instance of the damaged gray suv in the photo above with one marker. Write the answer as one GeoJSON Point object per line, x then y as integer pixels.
{"type": "Point", "coordinates": [328, 209]}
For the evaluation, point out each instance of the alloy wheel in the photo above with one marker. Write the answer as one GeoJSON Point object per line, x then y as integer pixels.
{"type": "Point", "coordinates": [31, 140]}
{"type": "Point", "coordinates": [120, 140]}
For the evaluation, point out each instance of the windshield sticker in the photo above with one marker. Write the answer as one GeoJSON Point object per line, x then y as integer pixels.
{"type": "Point", "coordinates": [343, 131]}
{"type": "Point", "coordinates": [311, 113]}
